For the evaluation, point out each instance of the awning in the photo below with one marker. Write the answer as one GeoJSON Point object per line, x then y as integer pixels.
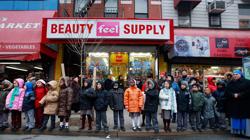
{"type": "Point", "coordinates": [195, 42]}
{"type": "Point", "coordinates": [21, 34]}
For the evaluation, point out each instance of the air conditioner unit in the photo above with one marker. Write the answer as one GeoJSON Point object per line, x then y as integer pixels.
{"type": "Point", "coordinates": [216, 7]}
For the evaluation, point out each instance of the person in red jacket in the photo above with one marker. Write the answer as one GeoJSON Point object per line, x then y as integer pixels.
{"type": "Point", "coordinates": [40, 92]}
{"type": "Point", "coordinates": [212, 84]}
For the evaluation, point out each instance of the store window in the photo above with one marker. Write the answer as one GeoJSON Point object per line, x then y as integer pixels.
{"type": "Point", "coordinates": [244, 16]}
{"type": "Point", "coordinates": [141, 8]}
{"type": "Point", "coordinates": [111, 8]}
{"type": "Point", "coordinates": [141, 64]}
{"type": "Point", "coordinates": [184, 18]}
{"type": "Point", "coordinates": [215, 20]}
{"type": "Point", "coordinates": [100, 60]}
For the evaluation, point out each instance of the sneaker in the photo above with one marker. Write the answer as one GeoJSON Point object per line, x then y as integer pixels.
{"type": "Point", "coordinates": [138, 128]}
{"type": "Point", "coordinates": [123, 129]}
{"type": "Point", "coordinates": [106, 131]}
{"type": "Point", "coordinates": [66, 128]}
{"type": "Point", "coordinates": [134, 129]}
{"type": "Point", "coordinates": [115, 127]}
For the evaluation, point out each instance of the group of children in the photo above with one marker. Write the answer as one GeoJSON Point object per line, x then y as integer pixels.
{"type": "Point", "coordinates": [40, 101]}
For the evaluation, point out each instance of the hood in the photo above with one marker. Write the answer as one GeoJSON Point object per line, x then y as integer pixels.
{"type": "Point", "coordinates": [210, 81]}
{"type": "Point", "coordinates": [99, 82]}
{"type": "Point", "coordinates": [29, 86]}
{"type": "Point", "coordinates": [184, 83]}
{"type": "Point", "coordinates": [20, 82]}
{"type": "Point", "coordinates": [53, 84]}
{"type": "Point", "coordinates": [89, 83]}
{"type": "Point", "coordinates": [66, 80]}
{"type": "Point", "coordinates": [151, 82]}
{"type": "Point", "coordinates": [42, 81]}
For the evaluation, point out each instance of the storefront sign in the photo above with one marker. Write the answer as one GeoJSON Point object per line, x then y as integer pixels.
{"type": "Point", "coordinates": [108, 29]}
{"type": "Point", "coordinates": [119, 58]}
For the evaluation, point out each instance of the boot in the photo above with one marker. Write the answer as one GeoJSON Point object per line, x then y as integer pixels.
{"type": "Point", "coordinates": [90, 122]}
{"type": "Point", "coordinates": [83, 123]}
{"type": "Point", "coordinates": [165, 125]}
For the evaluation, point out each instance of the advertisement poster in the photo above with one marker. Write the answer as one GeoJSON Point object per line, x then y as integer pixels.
{"type": "Point", "coordinates": [246, 66]}
{"type": "Point", "coordinates": [197, 46]}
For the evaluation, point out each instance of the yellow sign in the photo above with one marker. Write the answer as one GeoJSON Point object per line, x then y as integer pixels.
{"type": "Point", "coordinates": [119, 58]}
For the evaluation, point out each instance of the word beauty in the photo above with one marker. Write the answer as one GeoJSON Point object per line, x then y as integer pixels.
{"type": "Point", "coordinates": [71, 28]}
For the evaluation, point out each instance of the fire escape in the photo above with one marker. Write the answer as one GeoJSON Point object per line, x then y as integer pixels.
{"type": "Point", "coordinates": [85, 8]}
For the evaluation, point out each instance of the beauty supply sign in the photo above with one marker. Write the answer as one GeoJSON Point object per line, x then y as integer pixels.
{"type": "Point", "coordinates": [108, 29]}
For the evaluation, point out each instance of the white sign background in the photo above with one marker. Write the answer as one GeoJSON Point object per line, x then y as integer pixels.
{"type": "Point", "coordinates": [93, 35]}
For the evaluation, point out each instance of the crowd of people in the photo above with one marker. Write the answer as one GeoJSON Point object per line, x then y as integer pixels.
{"type": "Point", "coordinates": [184, 100]}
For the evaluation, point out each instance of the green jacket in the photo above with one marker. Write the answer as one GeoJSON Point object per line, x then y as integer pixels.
{"type": "Point", "coordinates": [197, 101]}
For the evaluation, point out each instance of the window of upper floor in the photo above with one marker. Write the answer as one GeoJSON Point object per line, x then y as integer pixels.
{"type": "Point", "coordinates": [244, 16]}
{"type": "Point", "coordinates": [141, 8]}
{"type": "Point", "coordinates": [111, 8]}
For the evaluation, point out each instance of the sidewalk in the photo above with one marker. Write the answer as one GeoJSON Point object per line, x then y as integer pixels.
{"type": "Point", "coordinates": [75, 124]}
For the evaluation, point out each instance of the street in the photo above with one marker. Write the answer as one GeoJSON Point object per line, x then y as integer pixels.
{"type": "Point", "coordinates": [186, 137]}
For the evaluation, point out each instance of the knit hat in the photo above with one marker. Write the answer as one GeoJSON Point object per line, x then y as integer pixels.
{"type": "Point", "coordinates": [184, 83]}
{"type": "Point", "coordinates": [42, 81]}
{"type": "Point", "coordinates": [132, 81]}
{"type": "Point", "coordinates": [237, 72]}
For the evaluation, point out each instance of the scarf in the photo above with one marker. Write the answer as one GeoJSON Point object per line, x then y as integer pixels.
{"type": "Point", "coordinates": [13, 95]}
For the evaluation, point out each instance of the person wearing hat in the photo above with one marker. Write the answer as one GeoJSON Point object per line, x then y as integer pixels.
{"type": "Point", "coordinates": [40, 92]}
{"type": "Point", "coordinates": [183, 102]}
{"type": "Point", "coordinates": [238, 101]}
{"type": "Point", "coordinates": [133, 101]}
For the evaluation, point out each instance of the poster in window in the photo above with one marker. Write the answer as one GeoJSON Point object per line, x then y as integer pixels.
{"type": "Point", "coordinates": [246, 67]}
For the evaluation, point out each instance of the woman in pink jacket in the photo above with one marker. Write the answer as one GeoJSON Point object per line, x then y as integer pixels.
{"type": "Point", "coordinates": [14, 103]}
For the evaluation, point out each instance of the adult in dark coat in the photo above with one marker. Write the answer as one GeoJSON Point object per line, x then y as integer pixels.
{"type": "Point", "coordinates": [76, 94]}
{"type": "Point", "coordinates": [151, 106]}
{"type": "Point", "coordinates": [116, 103]}
{"type": "Point", "coordinates": [238, 102]}
{"type": "Point", "coordinates": [87, 98]}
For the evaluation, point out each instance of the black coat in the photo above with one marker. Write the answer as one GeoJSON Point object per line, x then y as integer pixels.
{"type": "Point", "coordinates": [183, 100]}
{"type": "Point", "coordinates": [28, 101]}
{"type": "Point", "coordinates": [87, 98]}
{"type": "Point", "coordinates": [101, 100]}
{"type": "Point", "coordinates": [238, 107]}
{"type": "Point", "coordinates": [3, 95]}
{"type": "Point", "coordinates": [219, 95]}
{"type": "Point", "coordinates": [117, 99]}
{"type": "Point", "coordinates": [152, 101]}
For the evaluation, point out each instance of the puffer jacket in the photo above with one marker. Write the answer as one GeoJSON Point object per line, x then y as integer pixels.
{"type": "Point", "coordinates": [133, 99]}
{"type": "Point", "coordinates": [168, 99]}
{"type": "Point", "coordinates": [152, 99]}
{"type": "Point", "coordinates": [101, 100]}
{"type": "Point", "coordinates": [209, 107]}
{"type": "Point", "coordinates": [211, 84]}
{"type": "Point", "coordinates": [29, 97]}
{"type": "Point", "coordinates": [197, 101]}
{"type": "Point", "coordinates": [40, 92]}
{"type": "Point", "coordinates": [183, 100]}
{"type": "Point", "coordinates": [65, 101]}
{"type": "Point", "coordinates": [50, 100]}
{"type": "Point", "coordinates": [5, 88]}
{"type": "Point", "coordinates": [87, 97]}
{"type": "Point", "coordinates": [117, 99]}
{"type": "Point", "coordinates": [18, 101]}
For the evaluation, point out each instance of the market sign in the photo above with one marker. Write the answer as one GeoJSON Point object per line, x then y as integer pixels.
{"type": "Point", "coordinates": [108, 29]}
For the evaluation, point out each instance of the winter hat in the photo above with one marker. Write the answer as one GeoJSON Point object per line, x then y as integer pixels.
{"type": "Point", "coordinates": [42, 81]}
{"type": "Point", "coordinates": [132, 81]}
{"type": "Point", "coordinates": [237, 72]}
{"type": "Point", "coordinates": [151, 82]}
{"type": "Point", "coordinates": [184, 83]}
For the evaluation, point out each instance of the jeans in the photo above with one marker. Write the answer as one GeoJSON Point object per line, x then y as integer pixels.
{"type": "Point", "coordinates": [30, 118]}
{"type": "Point", "coordinates": [151, 116]}
{"type": "Point", "coordinates": [222, 120]}
{"type": "Point", "coordinates": [46, 119]}
{"type": "Point", "coordinates": [4, 119]}
{"type": "Point", "coordinates": [195, 119]}
{"type": "Point", "coordinates": [182, 120]}
{"type": "Point", "coordinates": [211, 122]}
{"type": "Point", "coordinates": [101, 120]}
{"type": "Point", "coordinates": [118, 114]}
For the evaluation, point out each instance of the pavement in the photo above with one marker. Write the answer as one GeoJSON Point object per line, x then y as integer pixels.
{"type": "Point", "coordinates": [75, 124]}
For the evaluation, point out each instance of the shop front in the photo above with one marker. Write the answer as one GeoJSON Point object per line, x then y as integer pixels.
{"type": "Point", "coordinates": [116, 47]}
{"type": "Point", "coordinates": [208, 52]}
{"type": "Point", "coordinates": [21, 50]}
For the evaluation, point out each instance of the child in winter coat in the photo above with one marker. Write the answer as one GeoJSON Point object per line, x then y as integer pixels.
{"type": "Point", "coordinates": [168, 104]}
{"type": "Point", "coordinates": [220, 97]}
{"type": "Point", "coordinates": [183, 98]}
{"type": "Point", "coordinates": [50, 102]}
{"type": "Point", "coordinates": [197, 102]}
{"type": "Point", "coordinates": [209, 109]}
{"type": "Point", "coordinates": [116, 103]}
{"type": "Point", "coordinates": [64, 103]}
{"type": "Point", "coordinates": [151, 106]}
{"type": "Point", "coordinates": [40, 92]}
{"type": "Point", "coordinates": [28, 106]}
{"type": "Point", "coordinates": [5, 87]}
{"type": "Point", "coordinates": [133, 101]}
{"type": "Point", "coordinates": [14, 103]}
{"type": "Point", "coordinates": [101, 105]}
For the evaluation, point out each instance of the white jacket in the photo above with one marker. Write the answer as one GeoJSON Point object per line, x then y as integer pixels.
{"type": "Point", "coordinates": [168, 99]}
